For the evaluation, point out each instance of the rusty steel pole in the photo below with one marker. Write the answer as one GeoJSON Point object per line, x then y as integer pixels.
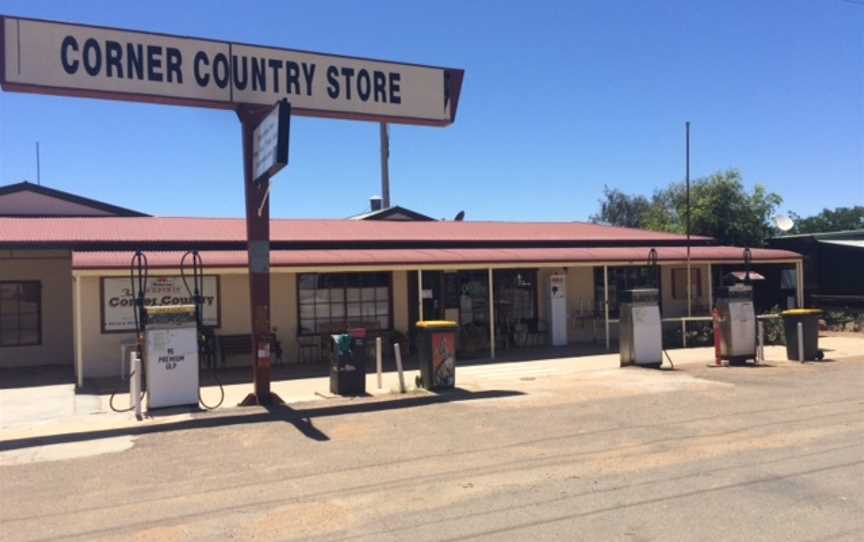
{"type": "Point", "coordinates": [258, 247]}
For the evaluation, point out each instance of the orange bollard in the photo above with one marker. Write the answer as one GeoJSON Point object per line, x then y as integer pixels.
{"type": "Point", "coordinates": [715, 315]}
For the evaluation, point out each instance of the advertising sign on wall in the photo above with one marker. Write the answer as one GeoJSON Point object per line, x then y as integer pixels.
{"type": "Point", "coordinates": [79, 60]}
{"type": "Point", "coordinates": [118, 304]}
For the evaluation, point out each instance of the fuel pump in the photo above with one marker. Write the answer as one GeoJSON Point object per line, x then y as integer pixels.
{"type": "Point", "coordinates": [641, 334]}
{"type": "Point", "coordinates": [736, 319]}
{"type": "Point", "coordinates": [171, 356]}
{"type": "Point", "coordinates": [170, 340]}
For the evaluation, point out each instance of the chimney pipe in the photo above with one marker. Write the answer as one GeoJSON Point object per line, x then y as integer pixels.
{"type": "Point", "coordinates": [376, 203]}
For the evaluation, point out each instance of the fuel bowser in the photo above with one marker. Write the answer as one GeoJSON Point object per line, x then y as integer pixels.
{"type": "Point", "coordinates": [171, 356]}
{"type": "Point", "coordinates": [170, 339]}
{"type": "Point", "coordinates": [736, 323]}
{"type": "Point", "coordinates": [641, 335]}
{"type": "Point", "coordinates": [735, 320]}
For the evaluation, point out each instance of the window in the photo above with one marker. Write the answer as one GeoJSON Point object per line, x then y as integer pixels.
{"type": "Point", "coordinates": [621, 279]}
{"type": "Point", "coordinates": [515, 295]}
{"type": "Point", "coordinates": [472, 296]}
{"type": "Point", "coordinates": [679, 283]}
{"type": "Point", "coordinates": [788, 279]}
{"type": "Point", "coordinates": [334, 302]}
{"type": "Point", "coordinates": [20, 313]}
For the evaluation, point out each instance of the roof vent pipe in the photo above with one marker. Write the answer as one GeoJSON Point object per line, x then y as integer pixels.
{"type": "Point", "coordinates": [376, 203]}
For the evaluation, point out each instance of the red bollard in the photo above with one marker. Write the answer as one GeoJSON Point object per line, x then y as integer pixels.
{"type": "Point", "coordinates": [715, 315]}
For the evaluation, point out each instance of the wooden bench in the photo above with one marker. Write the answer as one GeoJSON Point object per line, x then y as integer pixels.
{"type": "Point", "coordinates": [230, 345]}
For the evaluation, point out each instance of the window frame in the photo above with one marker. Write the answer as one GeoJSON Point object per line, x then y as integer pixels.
{"type": "Point", "coordinates": [624, 277]}
{"type": "Point", "coordinates": [505, 279]}
{"type": "Point", "coordinates": [344, 302]}
{"type": "Point", "coordinates": [696, 283]}
{"type": "Point", "coordinates": [39, 333]}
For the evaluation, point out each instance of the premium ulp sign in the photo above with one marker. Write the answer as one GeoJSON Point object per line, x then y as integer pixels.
{"type": "Point", "coordinates": [70, 59]}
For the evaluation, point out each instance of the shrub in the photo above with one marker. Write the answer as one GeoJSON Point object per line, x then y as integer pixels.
{"type": "Point", "coordinates": [774, 333]}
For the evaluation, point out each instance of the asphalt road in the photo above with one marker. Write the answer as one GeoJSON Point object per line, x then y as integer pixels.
{"type": "Point", "coordinates": [772, 453]}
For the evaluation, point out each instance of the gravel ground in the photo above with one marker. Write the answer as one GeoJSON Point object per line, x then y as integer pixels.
{"type": "Point", "coordinates": [767, 453]}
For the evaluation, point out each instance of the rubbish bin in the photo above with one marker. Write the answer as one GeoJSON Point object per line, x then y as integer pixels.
{"type": "Point", "coordinates": [810, 320]}
{"type": "Point", "coordinates": [348, 363]}
{"type": "Point", "coordinates": [436, 351]}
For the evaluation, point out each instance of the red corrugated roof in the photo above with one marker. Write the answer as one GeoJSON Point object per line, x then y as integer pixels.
{"type": "Point", "coordinates": [203, 230]}
{"type": "Point", "coordinates": [463, 256]}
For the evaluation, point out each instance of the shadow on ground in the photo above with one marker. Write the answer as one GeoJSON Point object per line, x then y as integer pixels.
{"type": "Point", "coordinates": [294, 371]}
{"type": "Point", "coordinates": [302, 418]}
{"type": "Point", "coordinates": [28, 377]}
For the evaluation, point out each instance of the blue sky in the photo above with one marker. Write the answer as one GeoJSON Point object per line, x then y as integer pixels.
{"type": "Point", "coordinates": [559, 99]}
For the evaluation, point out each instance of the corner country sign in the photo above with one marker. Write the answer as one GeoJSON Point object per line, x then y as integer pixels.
{"type": "Point", "coordinates": [76, 60]}
{"type": "Point", "coordinates": [118, 304]}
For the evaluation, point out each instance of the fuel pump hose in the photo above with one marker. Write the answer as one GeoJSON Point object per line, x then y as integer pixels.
{"type": "Point", "coordinates": [195, 292]}
{"type": "Point", "coordinates": [139, 271]}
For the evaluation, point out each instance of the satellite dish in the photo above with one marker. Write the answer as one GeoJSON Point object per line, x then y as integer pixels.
{"type": "Point", "coordinates": [783, 223]}
{"type": "Point", "coordinates": [460, 216]}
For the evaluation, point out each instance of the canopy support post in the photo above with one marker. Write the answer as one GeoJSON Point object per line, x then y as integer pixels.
{"type": "Point", "coordinates": [710, 288]}
{"type": "Point", "coordinates": [491, 315]}
{"type": "Point", "coordinates": [419, 295]}
{"type": "Point", "coordinates": [799, 283]}
{"type": "Point", "coordinates": [606, 304]}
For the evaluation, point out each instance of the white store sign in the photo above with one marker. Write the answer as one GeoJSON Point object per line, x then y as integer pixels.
{"type": "Point", "coordinates": [118, 305]}
{"type": "Point", "coordinates": [270, 142]}
{"type": "Point", "coordinates": [70, 59]}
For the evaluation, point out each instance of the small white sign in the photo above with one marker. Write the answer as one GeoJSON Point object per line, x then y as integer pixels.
{"type": "Point", "coordinates": [270, 142]}
{"type": "Point", "coordinates": [118, 305]}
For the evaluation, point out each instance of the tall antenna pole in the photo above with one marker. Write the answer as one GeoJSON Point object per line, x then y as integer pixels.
{"type": "Point", "coordinates": [38, 170]}
{"type": "Point", "coordinates": [385, 169]}
{"type": "Point", "coordinates": [687, 183]}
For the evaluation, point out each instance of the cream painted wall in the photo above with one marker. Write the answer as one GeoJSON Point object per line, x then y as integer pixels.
{"type": "Point", "coordinates": [400, 301]}
{"type": "Point", "coordinates": [30, 203]}
{"type": "Point", "coordinates": [52, 270]}
{"type": "Point", "coordinates": [283, 312]}
{"type": "Point", "coordinates": [580, 302]}
{"type": "Point", "coordinates": [101, 351]}
{"type": "Point", "coordinates": [543, 291]}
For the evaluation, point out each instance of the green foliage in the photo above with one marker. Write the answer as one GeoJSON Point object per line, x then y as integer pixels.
{"type": "Point", "coordinates": [698, 334]}
{"type": "Point", "coordinates": [774, 332]}
{"type": "Point", "coordinates": [619, 209]}
{"type": "Point", "coordinates": [720, 207]}
{"type": "Point", "coordinates": [848, 319]}
{"type": "Point", "coordinates": [839, 219]}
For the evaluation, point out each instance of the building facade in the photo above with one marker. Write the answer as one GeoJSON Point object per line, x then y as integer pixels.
{"type": "Point", "coordinates": [67, 294]}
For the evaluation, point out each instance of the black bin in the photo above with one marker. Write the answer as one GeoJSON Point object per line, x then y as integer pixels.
{"type": "Point", "coordinates": [348, 363]}
{"type": "Point", "coordinates": [810, 320]}
{"type": "Point", "coordinates": [436, 351]}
